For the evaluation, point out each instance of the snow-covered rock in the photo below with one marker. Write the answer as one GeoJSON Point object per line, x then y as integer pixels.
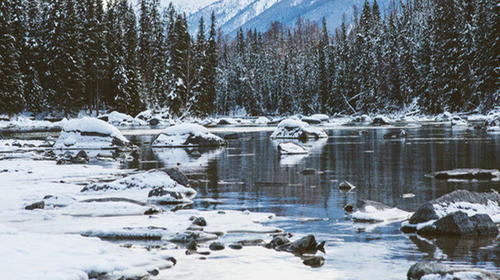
{"type": "Point", "coordinates": [426, 270]}
{"type": "Point", "coordinates": [187, 135]}
{"type": "Point", "coordinates": [90, 133]}
{"type": "Point", "coordinates": [471, 203]}
{"type": "Point", "coordinates": [375, 212]}
{"type": "Point", "coordinates": [468, 174]}
{"type": "Point", "coordinates": [381, 120]}
{"type": "Point", "coordinates": [295, 129]}
{"type": "Point", "coordinates": [291, 148]}
{"type": "Point", "coordinates": [444, 117]}
{"type": "Point", "coordinates": [262, 120]}
{"type": "Point", "coordinates": [163, 186]}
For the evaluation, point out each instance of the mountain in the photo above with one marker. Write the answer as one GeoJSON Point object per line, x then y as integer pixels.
{"type": "Point", "coordinates": [258, 14]}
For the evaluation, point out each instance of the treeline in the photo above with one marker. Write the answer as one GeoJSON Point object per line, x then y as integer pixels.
{"type": "Point", "coordinates": [68, 55]}
{"type": "Point", "coordinates": [431, 54]}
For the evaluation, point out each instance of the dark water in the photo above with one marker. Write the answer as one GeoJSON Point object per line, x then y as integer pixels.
{"type": "Point", "coordinates": [250, 174]}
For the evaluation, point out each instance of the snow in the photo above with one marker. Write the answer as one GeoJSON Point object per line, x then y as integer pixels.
{"type": "Point", "coordinates": [177, 135]}
{"type": "Point", "coordinates": [374, 215]}
{"type": "Point", "coordinates": [25, 123]}
{"type": "Point", "coordinates": [48, 243]}
{"type": "Point", "coordinates": [491, 208]}
{"type": "Point", "coordinates": [138, 186]}
{"type": "Point", "coordinates": [89, 133]}
{"type": "Point", "coordinates": [291, 128]}
{"type": "Point", "coordinates": [27, 255]}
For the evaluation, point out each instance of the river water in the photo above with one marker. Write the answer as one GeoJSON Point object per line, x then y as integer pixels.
{"type": "Point", "coordinates": [249, 174]}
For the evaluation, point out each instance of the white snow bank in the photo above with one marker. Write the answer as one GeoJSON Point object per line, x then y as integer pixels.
{"type": "Point", "coordinates": [89, 133]}
{"type": "Point", "coordinates": [294, 129]}
{"type": "Point", "coordinates": [187, 135]}
{"type": "Point", "coordinates": [59, 256]}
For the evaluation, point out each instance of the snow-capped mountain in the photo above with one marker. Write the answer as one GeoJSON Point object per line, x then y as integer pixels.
{"type": "Point", "coordinates": [258, 14]}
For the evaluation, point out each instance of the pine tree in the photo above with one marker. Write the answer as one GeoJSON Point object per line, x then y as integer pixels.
{"type": "Point", "coordinates": [324, 76]}
{"type": "Point", "coordinates": [11, 99]}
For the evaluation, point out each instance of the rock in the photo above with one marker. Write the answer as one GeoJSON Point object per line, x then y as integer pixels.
{"type": "Point", "coordinates": [468, 174]}
{"type": "Point", "coordinates": [441, 272]}
{"type": "Point", "coordinates": [294, 129]}
{"type": "Point", "coordinates": [400, 134]}
{"type": "Point", "coordinates": [460, 224]}
{"type": "Point", "coordinates": [304, 245]}
{"type": "Point", "coordinates": [349, 208]}
{"type": "Point", "coordinates": [81, 158]}
{"type": "Point", "coordinates": [346, 186]}
{"type": "Point", "coordinates": [216, 246]}
{"type": "Point", "coordinates": [200, 221]}
{"type": "Point", "coordinates": [192, 245]}
{"type": "Point", "coordinates": [90, 133]}
{"type": "Point", "coordinates": [154, 121]}
{"type": "Point", "coordinates": [277, 241]}
{"type": "Point", "coordinates": [311, 120]}
{"type": "Point", "coordinates": [169, 197]}
{"type": "Point", "coordinates": [316, 261]}
{"type": "Point", "coordinates": [424, 214]}
{"type": "Point", "coordinates": [235, 246]}
{"type": "Point", "coordinates": [460, 200]}
{"type": "Point", "coordinates": [176, 174]}
{"type": "Point", "coordinates": [380, 120]}
{"type": "Point", "coordinates": [36, 205]}
{"type": "Point", "coordinates": [187, 135]}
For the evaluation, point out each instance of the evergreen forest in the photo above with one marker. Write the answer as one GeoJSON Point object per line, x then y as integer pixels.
{"type": "Point", "coordinates": [430, 56]}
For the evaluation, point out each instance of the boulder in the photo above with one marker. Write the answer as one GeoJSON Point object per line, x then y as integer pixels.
{"type": "Point", "coordinates": [216, 246]}
{"type": "Point", "coordinates": [380, 120]}
{"type": "Point", "coordinates": [277, 241]}
{"type": "Point", "coordinates": [36, 205]}
{"type": "Point", "coordinates": [295, 129]}
{"type": "Point", "coordinates": [187, 135]}
{"type": "Point", "coordinates": [346, 186]}
{"type": "Point", "coordinates": [432, 270]}
{"type": "Point", "coordinates": [374, 212]}
{"type": "Point", "coordinates": [316, 261]}
{"type": "Point", "coordinates": [165, 196]}
{"type": "Point", "coordinates": [304, 245]}
{"type": "Point", "coordinates": [200, 221]}
{"type": "Point", "coordinates": [471, 203]}
{"type": "Point", "coordinates": [468, 174]}
{"type": "Point", "coordinates": [89, 133]}
{"type": "Point", "coordinates": [460, 224]}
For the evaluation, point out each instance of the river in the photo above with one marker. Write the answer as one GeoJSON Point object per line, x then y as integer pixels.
{"type": "Point", "coordinates": [249, 174]}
